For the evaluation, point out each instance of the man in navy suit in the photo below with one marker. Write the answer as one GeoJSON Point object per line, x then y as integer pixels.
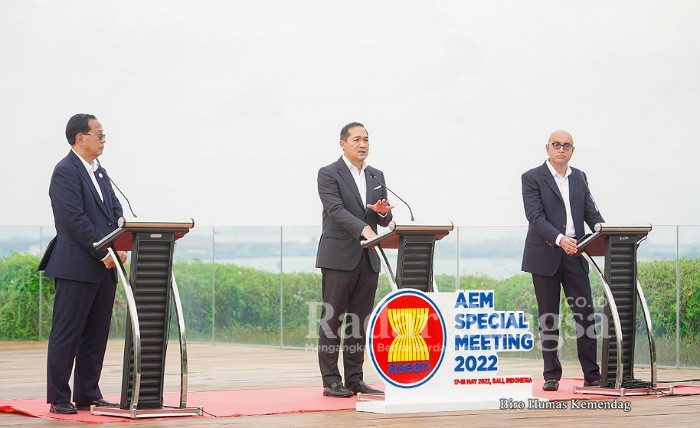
{"type": "Point", "coordinates": [557, 203]}
{"type": "Point", "coordinates": [354, 202]}
{"type": "Point", "coordinates": [85, 209]}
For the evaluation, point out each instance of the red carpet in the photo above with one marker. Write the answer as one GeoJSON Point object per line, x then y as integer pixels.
{"type": "Point", "coordinates": [268, 401]}
{"type": "Point", "coordinates": [242, 402]}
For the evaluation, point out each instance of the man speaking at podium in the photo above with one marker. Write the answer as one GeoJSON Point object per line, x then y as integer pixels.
{"type": "Point", "coordinates": [85, 209]}
{"type": "Point", "coordinates": [557, 202]}
{"type": "Point", "coordinates": [354, 202]}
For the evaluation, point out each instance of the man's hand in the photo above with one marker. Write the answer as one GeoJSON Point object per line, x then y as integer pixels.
{"type": "Point", "coordinates": [109, 261]}
{"type": "Point", "coordinates": [568, 245]}
{"type": "Point", "coordinates": [382, 207]}
{"type": "Point", "coordinates": [368, 233]}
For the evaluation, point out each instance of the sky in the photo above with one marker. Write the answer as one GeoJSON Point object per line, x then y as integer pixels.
{"type": "Point", "coordinates": [223, 111]}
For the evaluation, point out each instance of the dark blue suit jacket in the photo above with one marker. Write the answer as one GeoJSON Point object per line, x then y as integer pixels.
{"type": "Point", "coordinates": [81, 219]}
{"type": "Point", "coordinates": [344, 216]}
{"type": "Point", "coordinates": [546, 214]}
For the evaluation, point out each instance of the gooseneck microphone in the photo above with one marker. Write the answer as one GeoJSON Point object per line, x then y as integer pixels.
{"type": "Point", "coordinates": [120, 190]}
{"type": "Point", "coordinates": [588, 189]}
{"type": "Point", "coordinates": [371, 174]}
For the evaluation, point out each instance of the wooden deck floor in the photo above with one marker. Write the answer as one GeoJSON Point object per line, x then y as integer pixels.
{"type": "Point", "coordinates": [228, 366]}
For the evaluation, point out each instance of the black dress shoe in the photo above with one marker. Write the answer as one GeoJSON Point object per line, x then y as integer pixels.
{"type": "Point", "coordinates": [363, 388]}
{"type": "Point", "coordinates": [591, 383]}
{"type": "Point", "coordinates": [337, 390]}
{"type": "Point", "coordinates": [97, 403]}
{"type": "Point", "coordinates": [550, 385]}
{"type": "Point", "coordinates": [63, 408]}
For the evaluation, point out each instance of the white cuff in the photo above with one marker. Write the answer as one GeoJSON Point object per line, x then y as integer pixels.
{"type": "Point", "coordinates": [558, 240]}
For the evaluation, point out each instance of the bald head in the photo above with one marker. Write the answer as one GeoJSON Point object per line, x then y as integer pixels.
{"type": "Point", "coordinates": [560, 136]}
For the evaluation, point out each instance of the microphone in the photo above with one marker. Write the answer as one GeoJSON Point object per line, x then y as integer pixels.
{"type": "Point", "coordinates": [371, 174]}
{"type": "Point", "coordinates": [120, 190]}
{"type": "Point", "coordinates": [585, 180]}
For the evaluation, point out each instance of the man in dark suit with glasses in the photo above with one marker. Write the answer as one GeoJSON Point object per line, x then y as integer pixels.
{"type": "Point", "coordinates": [85, 209]}
{"type": "Point", "coordinates": [557, 203]}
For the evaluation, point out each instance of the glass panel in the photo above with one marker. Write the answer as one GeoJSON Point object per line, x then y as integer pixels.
{"type": "Point", "coordinates": [656, 272]}
{"type": "Point", "coordinates": [690, 296]}
{"type": "Point", "coordinates": [194, 272]}
{"type": "Point", "coordinates": [255, 303]}
{"type": "Point", "coordinates": [301, 300]}
{"type": "Point", "coordinates": [247, 285]}
{"type": "Point", "coordinates": [492, 252]}
{"type": "Point", "coordinates": [20, 307]}
{"type": "Point", "coordinates": [445, 262]}
{"type": "Point", "coordinates": [20, 239]}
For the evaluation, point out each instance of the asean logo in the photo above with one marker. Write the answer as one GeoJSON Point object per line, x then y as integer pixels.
{"type": "Point", "coordinates": [406, 338]}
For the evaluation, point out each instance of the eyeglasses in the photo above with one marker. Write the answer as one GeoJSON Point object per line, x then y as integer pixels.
{"type": "Point", "coordinates": [557, 145]}
{"type": "Point", "coordinates": [99, 136]}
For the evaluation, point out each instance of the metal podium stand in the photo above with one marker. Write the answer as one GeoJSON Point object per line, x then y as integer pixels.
{"type": "Point", "coordinates": [416, 245]}
{"type": "Point", "coordinates": [150, 288]}
{"type": "Point", "coordinates": [618, 243]}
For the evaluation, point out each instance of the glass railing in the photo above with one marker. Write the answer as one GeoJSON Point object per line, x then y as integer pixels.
{"type": "Point", "coordinates": [259, 284]}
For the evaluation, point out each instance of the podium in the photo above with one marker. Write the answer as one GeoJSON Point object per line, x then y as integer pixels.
{"type": "Point", "coordinates": [150, 289]}
{"type": "Point", "coordinates": [621, 288]}
{"type": "Point", "coordinates": [416, 245]}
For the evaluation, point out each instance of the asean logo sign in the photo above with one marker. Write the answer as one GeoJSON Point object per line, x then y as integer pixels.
{"type": "Point", "coordinates": [406, 338]}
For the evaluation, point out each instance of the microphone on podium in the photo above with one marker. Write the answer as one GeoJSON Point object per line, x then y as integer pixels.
{"type": "Point", "coordinates": [120, 190]}
{"type": "Point", "coordinates": [588, 189]}
{"type": "Point", "coordinates": [371, 174]}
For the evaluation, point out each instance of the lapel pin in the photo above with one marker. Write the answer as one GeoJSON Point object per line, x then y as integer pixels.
{"type": "Point", "coordinates": [100, 174]}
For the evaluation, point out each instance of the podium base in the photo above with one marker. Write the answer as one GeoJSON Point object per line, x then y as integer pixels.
{"type": "Point", "coordinates": [623, 392]}
{"type": "Point", "coordinates": [165, 412]}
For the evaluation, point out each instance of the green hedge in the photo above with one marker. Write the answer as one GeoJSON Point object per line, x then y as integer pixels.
{"type": "Point", "coordinates": [247, 307]}
{"type": "Point", "coordinates": [20, 297]}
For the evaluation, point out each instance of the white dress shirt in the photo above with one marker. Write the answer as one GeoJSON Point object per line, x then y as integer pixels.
{"type": "Point", "coordinates": [91, 168]}
{"type": "Point", "coordinates": [563, 185]}
{"type": "Point", "coordinates": [360, 180]}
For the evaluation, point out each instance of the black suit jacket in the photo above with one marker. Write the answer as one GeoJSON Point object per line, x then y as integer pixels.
{"type": "Point", "coordinates": [81, 218]}
{"type": "Point", "coordinates": [345, 217]}
{"type": "Point", "coordinates": [546, 215]}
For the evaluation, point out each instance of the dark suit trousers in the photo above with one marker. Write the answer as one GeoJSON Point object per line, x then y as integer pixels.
{"type": "Point", "coordinates": [577, 288]}
{"type": "Point", "coordinates": [81, 315]}
{"type": "Point", "coordinates": [347, 295]}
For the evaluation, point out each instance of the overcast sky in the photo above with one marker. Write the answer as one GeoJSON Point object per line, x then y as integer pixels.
{"type": "Point", "coordinates": [224, 110]}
